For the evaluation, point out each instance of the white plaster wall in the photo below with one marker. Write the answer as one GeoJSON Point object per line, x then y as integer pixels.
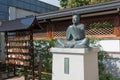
{"type": "Point", "coordinates": [110, 45]}
{"type": "Point", "coordinates": [18, 13]}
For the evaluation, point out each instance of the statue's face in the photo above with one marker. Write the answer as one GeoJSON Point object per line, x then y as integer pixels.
{"type": "Point", "coordinates": [75, 19]}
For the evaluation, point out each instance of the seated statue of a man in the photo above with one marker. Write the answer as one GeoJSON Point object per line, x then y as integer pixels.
{"type": "Point", "coordinates": [75, 36]}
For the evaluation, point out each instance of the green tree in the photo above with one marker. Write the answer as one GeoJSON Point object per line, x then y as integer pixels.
{"type": "Point", "coordinates": [72, 3]}
{"type": "Point", "coordinates": [63, 3]}
{"type": "Point", "coordinates": [103, 74]}
{"type": "Point", "coordinates": [102, 57]}
{"type": "Point", "coordinates": [97, 1]}
{"type": "Point", "coordinates": [77, 3]}
{"type": "Point", "coordinates": [42, 52]}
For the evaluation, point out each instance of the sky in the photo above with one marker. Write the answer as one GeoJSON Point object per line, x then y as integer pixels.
{"type": "Point", "coordinates": [53, 2]}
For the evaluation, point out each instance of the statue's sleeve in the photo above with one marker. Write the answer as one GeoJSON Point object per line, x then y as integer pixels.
{"type": "Point", "coordinates": [83, 26]}
{"type": "Point", "coordinates": [68, 33]}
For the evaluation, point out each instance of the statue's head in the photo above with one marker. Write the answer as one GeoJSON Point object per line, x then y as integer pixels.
{"type": "Point", "coordinates": [75, 19]}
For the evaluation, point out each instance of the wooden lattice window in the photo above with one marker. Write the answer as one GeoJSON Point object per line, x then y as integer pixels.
{"type": "Point", "coordinates": [60, 29]}
{"type": "Point", "coordinates": [100, 28]}
{"type": "Point", "coordinates": [100, 25]}
{"type": "Point", "coordinates": [60, 34]}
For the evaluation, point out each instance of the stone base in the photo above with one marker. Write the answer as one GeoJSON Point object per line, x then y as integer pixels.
{"type": "Point", "coordinates": [74, 64]}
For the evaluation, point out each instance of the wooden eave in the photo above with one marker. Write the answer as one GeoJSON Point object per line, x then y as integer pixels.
{"type": "Point", "coordinates": [85, 11]}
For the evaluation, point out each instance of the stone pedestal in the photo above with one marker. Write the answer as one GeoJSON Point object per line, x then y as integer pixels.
{"type": "Point", "coordinates": [74, 64]}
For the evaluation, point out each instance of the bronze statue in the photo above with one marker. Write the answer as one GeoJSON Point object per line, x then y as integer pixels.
{"type": "Point", "coordinates": [75, 36]}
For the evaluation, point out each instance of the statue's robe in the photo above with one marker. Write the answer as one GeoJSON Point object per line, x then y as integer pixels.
{"type": "Point", "coordinates": [75, 37]}
{"type": "Point", "coordinates": [75, 33]}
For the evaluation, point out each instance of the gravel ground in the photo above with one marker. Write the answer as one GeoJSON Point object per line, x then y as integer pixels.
{"type": "Point", "coordinates": [16, 78]}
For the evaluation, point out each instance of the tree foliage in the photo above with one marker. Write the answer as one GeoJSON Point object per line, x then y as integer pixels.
{"type": "Point", "coordinates": [103, 74]}
{"type": "Point", "coordinates": [77, 3]}
{"type": "Point", "coordinates": [72, 3]}
{"type": "Point", "coordinates": [63, 3]}
{"type": "Point", "coordinates": [42, 52]}
{"type": "Point", "coordinates": [102, 56]}
{"type": "Point", "coordinates": [97, 1]}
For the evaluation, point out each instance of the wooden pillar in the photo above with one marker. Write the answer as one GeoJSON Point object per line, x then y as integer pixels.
{"type": "Point", "coordinates": [40, 68]}
{"type": "Point", "coordinates": [32, 53]}
{"type": "Point", "coordinates": [48, 33]}
{"type": "Point", "coordinates": [0, 71]}
{"type": "Point", "coordinates": [6, 49]}
{"type": "Point", "coordinates": [53, 30]}
{"type": "Point", "coordinates": [50, 30]}
{"type": "Point", "coordinates": [117, 25]}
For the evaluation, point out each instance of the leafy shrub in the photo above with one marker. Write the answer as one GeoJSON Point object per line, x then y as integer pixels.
{"type": "Point", "coordinates": [42, 50]}
{"type": "Point", "coordinates": [102, 56]}
{"type": "Point", "coordinates": [103, 74]}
